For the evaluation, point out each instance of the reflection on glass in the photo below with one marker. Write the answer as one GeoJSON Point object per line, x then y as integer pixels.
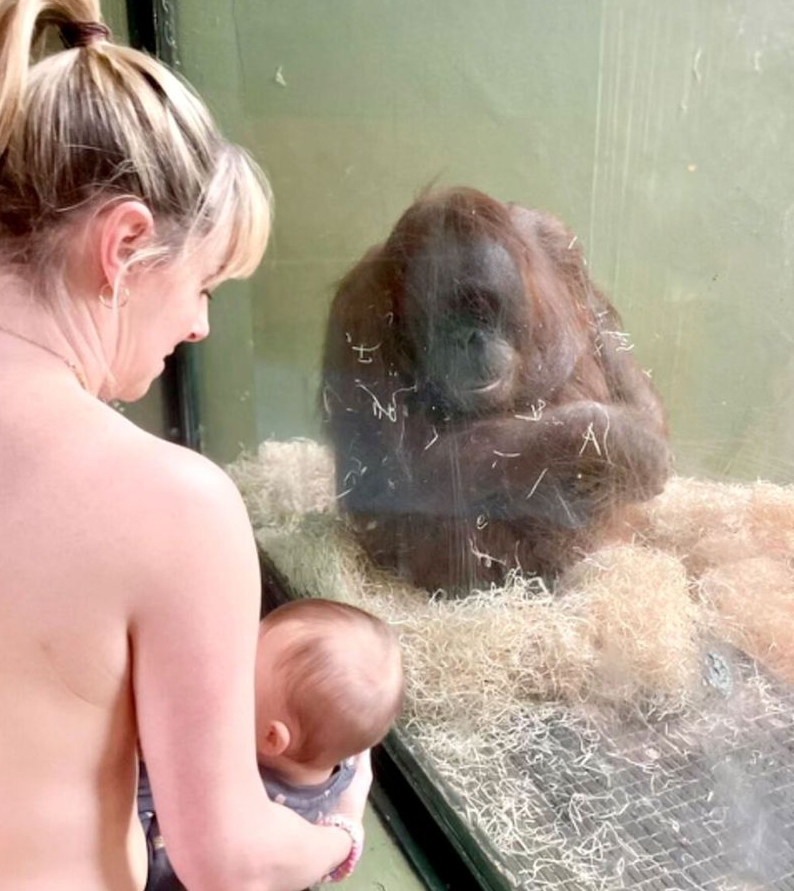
{"type": "Point", "coordinates": [602, 693]}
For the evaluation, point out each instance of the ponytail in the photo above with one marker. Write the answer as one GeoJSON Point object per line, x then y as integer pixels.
{"type": "Point", "coordinates": [100, 121]}
{"type": "Point", "coordinates": [21, 24]}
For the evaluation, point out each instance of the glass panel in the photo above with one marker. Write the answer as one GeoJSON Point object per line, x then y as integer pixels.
{"type": "Point", "coordinates": [622, 719]}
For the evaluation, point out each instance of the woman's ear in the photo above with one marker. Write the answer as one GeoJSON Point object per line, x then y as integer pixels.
{"type": "Point", "coordinates": [275, 740]}
{"type": "Point", "coordinates": [124, 227]}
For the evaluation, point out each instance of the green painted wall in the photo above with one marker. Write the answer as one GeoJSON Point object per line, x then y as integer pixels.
{"type": "Point", "coordinates": [660, 132]}
{"type": "Point", "coordinates": [115, 14]}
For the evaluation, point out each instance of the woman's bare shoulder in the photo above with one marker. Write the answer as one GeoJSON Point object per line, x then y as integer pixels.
{"type": "Point", "coordinates": [181, 511]}
{"type": "Point", "coordinates": [149, 469]}
{"type": "Point", "coordinates": [169, 473]}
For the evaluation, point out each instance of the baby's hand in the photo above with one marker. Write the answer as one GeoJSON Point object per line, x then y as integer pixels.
{"type": "Point", "coordinates": [352, 801]}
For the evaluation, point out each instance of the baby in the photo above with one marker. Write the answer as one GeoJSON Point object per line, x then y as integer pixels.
{"type": "Point", "coordinates": [329, 684]}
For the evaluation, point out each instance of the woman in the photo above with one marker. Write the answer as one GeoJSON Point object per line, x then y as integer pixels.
{"type": "Point", "coordinates": [130, 592]}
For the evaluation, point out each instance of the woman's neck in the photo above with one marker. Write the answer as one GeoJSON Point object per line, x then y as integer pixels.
{"type": "Point", "coordinates": [30, 329]}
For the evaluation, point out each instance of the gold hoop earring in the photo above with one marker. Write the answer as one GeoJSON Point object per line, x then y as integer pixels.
{"type": "Point", "coordinates": [109, 301]}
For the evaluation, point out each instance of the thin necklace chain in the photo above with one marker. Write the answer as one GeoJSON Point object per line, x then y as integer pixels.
{"type": "Point", "coordinates": [72, 366]}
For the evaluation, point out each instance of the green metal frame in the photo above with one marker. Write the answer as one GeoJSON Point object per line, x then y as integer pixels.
{"type": "Point", "coordinates": [152, 27]}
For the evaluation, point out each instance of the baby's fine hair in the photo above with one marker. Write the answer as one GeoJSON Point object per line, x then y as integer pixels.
{"type": "Point", "coordinates": [340, 677]}
{"type": "Point", "coordinates": [98, 122]}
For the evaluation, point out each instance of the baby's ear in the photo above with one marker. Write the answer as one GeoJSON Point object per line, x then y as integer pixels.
{"type": "Point", "coordinates": [276, 739]}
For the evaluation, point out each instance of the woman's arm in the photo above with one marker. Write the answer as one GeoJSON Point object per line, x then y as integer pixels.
{"type": "Point", "coordinates": [193, 631]}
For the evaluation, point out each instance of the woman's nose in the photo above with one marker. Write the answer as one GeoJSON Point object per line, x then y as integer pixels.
{"type": "Point", "coordinates": [201, 327]}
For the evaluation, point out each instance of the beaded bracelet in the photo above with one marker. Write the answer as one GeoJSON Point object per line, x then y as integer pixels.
{"type": "Point", "coordinates": [356, 833]}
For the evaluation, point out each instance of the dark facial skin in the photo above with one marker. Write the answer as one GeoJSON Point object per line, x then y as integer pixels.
{"type": "Point", "coordinates": [458, 314]}
{"type": "Point", "coordinates": [483, 413]}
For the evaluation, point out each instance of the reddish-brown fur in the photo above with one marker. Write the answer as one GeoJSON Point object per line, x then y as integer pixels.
{"type": "Point", "coordinates": [483, 415]}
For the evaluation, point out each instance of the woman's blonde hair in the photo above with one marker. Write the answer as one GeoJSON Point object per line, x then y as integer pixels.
{"type": "Point", "coordinates": [99, 121]}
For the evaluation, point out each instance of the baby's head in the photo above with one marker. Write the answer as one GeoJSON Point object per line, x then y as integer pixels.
{"type": "Point", "coordinates": [329, 684]}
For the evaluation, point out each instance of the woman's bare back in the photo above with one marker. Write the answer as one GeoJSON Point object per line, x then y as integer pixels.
{"type": "Point", "coordinates": [130, 583]}
{"type": "Point", "coordinates": [68, 762]}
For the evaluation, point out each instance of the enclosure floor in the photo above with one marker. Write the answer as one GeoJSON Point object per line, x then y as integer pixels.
{"type": "Point", "coordinates": [382, 867]}
{"type": "Point", "coordinates": [697, 800]}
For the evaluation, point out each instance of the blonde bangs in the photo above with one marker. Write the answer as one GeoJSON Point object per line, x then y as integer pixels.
{"type": "Point", "coordinates": [236, 214]}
